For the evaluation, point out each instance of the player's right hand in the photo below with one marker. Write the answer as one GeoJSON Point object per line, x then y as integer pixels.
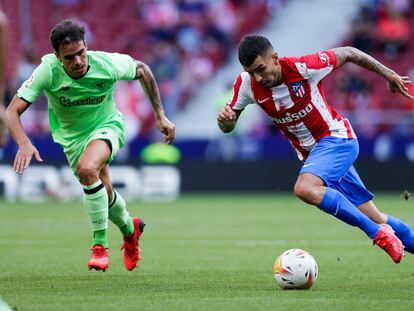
{"type": "Point", "coordinates": [23, 157]}
{"type": "Point", "coordinates": [227, 119]}
{"type": "Point", "coordinates": [226, 114]}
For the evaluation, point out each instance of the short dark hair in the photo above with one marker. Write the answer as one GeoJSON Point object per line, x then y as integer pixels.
{"type": "Point", "coordinates": [251, 46]}
{"type": "Point", "coordinates": [65, 32]}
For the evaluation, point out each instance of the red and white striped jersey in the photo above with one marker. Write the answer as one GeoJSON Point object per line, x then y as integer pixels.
{"type": "Point", "coordinates": [297, 105]}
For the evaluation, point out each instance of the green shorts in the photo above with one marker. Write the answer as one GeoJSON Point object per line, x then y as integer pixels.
{"type": "Point", "coordinates": [114, 135]}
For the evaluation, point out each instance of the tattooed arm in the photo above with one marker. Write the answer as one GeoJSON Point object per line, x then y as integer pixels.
{"type": "Point", "coordinates": [148, 83]}
{"type": "Point", "coordinates": [396, 83]}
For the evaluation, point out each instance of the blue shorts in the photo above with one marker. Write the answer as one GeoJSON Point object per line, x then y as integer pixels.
{"type": "Point", "coordinates": [332, 160]}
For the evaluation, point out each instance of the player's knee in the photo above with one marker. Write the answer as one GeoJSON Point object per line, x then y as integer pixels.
{"type": "Point", "coordinates": [86, 173]}
{"type": "Point", "coordinates": [302, 191]}
{"type": "Point", "coordinates": [308, 193]}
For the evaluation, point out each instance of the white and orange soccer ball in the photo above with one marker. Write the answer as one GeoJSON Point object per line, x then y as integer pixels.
{"type": "Point", "coordinates": [295, 269]}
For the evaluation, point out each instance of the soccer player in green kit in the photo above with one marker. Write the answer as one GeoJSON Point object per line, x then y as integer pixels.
{"type": "Point", "coordinates": [84, 120]}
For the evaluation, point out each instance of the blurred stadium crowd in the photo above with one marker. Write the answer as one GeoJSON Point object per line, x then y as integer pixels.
{"type": "Point", "coordinates": [384, 29]}
{"type": "Point", "coordinates": [183, 41]}
{"type": "Point", "coordinates": [186, 41]}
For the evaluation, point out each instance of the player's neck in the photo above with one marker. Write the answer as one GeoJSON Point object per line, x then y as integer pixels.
{"type": "Point", "coordinates": [278, 77]}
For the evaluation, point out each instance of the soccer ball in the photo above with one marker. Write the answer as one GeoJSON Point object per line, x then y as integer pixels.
{"type": "Point", "coordinates": [295, 269]}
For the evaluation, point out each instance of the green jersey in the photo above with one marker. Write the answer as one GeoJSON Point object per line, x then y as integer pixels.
{"type": "Point", "coordinates": [78, 106]}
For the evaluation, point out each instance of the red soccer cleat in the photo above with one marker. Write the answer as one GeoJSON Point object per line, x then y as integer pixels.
{"type": "Point", "coordinates": [131, 245]}
{"type": "Point", "coordinates": [99, 258]}
{"type": "Point", "coordinates": [388, 241]}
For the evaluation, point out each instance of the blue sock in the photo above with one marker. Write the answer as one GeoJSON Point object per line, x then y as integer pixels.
{"type": "Point", "coordinates": [403, 232]}
{"type": "Point", "coordinates": [336, 204]}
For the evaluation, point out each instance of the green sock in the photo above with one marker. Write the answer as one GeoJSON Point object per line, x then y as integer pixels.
{"type": "Point", "coordinates": [100, 237]}
{"type": "Point", "coordinates": [119, 215]}
{"type": "Point", "coordinates": [128, 229]}
{"type": "Point", "coordinates": [95, 202]}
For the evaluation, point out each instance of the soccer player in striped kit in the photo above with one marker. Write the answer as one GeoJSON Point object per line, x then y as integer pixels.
{"type": "Point", "coordinates": [290, 92]}
{"type": "Point", "coordinates": [85, 121]}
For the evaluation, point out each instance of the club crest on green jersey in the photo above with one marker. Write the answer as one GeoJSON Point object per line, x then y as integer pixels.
{"type": "Point", "coordinates": [100, 85]}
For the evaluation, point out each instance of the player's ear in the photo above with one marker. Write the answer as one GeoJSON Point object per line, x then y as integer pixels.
{"type": "Point", "coordinates": [275, 57]}
{"type": "Point", "coordinates": [58, 56]}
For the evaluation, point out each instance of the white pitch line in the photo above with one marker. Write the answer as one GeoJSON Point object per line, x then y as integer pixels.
{"type": "Point", "coordinates": [22, 242]}
{"type": "Point", "coordinates": [250, 243]}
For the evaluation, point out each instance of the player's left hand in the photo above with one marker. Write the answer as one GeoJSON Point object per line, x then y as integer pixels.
{"type": "Point", "coordinates": [167, 128]}
{"type": "Point", "coordinates": [397, 84]}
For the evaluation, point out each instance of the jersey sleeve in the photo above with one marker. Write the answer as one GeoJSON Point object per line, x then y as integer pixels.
{"type": "Point", "coordinates": [317, 66]}
{"type": "Point", "coordinates": [124, 66]}
{"type": "Point", "coordinates": [241, 96]}
{"type": "Point", "coordinates": [32, 88]}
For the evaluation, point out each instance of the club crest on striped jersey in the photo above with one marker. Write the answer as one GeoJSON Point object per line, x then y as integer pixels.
{"type": "Point", "coordinates": [298, 89]}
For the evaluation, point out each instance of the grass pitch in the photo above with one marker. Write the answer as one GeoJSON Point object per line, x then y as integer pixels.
{"type": "Point", "coordinates": [202, 252]}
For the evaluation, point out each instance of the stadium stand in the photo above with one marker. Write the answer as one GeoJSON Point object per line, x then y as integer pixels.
{"type": "Point", "coordinates": [183, 41]}
{"type": "Point", "coordinates": [188, 42]}
{"type": "Point", "coordinates": [383, 29]}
